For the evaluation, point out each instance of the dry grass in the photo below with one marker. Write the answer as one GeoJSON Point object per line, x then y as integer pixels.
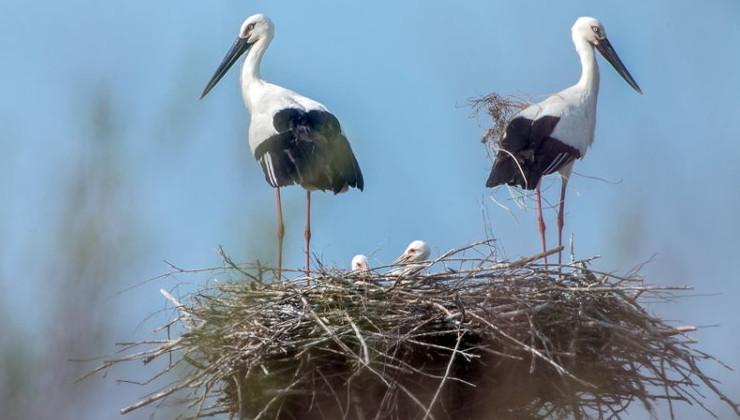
{"type": "Point", "coordinates": [501, 110]}
{"type": "Point", "coordinates": [469, 338]}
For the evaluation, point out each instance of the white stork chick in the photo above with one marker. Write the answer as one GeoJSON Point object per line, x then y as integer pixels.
{"type": "Point", "coordinates": [549, 136]}
{"type": "Point", "coordinates": [416, 253]}
{"type": "Point", "coordinates": [360, 264]}
{"type": "Point", "coordinates": [295, 139]}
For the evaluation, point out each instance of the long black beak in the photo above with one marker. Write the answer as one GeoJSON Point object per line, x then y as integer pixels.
{"type": "Point", "coordinates": [241, 45]}
{"type": "Point", "coordinates": [606, 50]}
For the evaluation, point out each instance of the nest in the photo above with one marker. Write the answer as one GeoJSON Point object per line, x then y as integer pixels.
{"type": "Point", "coordinates": [461, 338]}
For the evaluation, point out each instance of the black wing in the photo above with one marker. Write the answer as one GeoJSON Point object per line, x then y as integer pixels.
{"type": "Point", "coordinates": [309, 149]}
{"type": "Point", "coordinates": [527, 153]}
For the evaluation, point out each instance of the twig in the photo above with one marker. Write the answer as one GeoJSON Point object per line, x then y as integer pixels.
{"type": "Point", "coordinates": [446, 375]}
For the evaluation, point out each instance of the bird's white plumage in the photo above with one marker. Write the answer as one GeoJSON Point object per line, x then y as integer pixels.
{"type": "Point", "coordinates": [295, 139]}
{"type": "Point", "coordinates": [574, 108]}
{"type": "Point", "coordinates": [360, 263]}
{"type": "Point", "coordinates": [576, 105]}
{"type": "Point", "coordinates": [417, 252]}
{"type": "Point", "coordinates": [272, 99]}
{"type": "Point", "coordinates": [264, 99]}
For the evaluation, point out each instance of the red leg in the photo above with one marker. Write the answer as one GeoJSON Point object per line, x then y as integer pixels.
{"type": "Point", "coordinates": [541, 220]}
{"type": "Point", "coordinates": [561, 210]}
{"type": "Point", "coordinates": [280, 233]}
{"type": "Point", "coordinates": [307, 232]}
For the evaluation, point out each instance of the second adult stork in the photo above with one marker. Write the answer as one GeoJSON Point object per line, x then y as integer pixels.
{"type": "Point", "coordinates": [295, 139]}
{"type": "Point", "coordinates": [549, 136]}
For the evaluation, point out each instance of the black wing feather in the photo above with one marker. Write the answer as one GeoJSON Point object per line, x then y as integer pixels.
{"type": "Point", "coordinates": [309, 149]}
{"type": "Point", "coordinates": [528, 152]}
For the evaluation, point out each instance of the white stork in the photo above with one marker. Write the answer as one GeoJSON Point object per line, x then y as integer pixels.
{"type": "Point", "coordinates": [295, 139]}
{"type": "Point", "coordinates": [549, 136]}
{"type": "Point", "coordinates": [360, 264]}
{"type": "Point", "coordinates": [417, 252]}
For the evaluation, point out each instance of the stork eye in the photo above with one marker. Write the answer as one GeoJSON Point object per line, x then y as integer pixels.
{"type": "Point", "coordinates": [250, 26]}
{"type": "Point", "coordinates": [596, 29]}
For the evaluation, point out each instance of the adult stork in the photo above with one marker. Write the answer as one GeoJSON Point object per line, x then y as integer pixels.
{"type": "Point", "coordinates": [295, 139]}
{"type": "Point", "coordinates": [549, 136]}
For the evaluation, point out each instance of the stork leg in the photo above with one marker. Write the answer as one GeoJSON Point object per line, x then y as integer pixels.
{"type": "Point", "coordinates": [280, 233]}
{"type": "Point", "coordinates": [561, 210]}
{"type": "Point", "coordinates": [307, 232]}
{"type": "Point", "coordinates": [541, 220]}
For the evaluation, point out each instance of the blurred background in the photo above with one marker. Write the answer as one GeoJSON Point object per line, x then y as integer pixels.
{"type": "Point", "coordinates": [110, 165]}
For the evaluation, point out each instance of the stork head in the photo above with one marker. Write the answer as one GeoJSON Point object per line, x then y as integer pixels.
{"type": "Point", "coordinates": [417, 251]}
{"type": "Point", "coordinates": [360, 264]}
{"type": "Point", "coordinates": [591, 31]}
{"type": "Point", "coordinates": [255, 29]}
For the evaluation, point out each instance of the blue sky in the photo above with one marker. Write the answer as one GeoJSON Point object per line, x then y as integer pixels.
{"type": "Point", "coordinates": [661, 179]}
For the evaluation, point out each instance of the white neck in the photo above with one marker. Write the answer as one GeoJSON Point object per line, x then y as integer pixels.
{"type": "Point", "coordinates": [589, 81]}
{"type": "Point", "coordinates": [250, 72]}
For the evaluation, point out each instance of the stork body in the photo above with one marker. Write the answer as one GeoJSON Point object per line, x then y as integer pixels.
{"type": "Point", "coordinates": [549, 136]}
{"type": "Point", "coordinates": [295, 139]}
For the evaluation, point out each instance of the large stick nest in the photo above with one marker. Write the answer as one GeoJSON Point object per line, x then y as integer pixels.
{"type": "Point", "coordinates": [466, 338]}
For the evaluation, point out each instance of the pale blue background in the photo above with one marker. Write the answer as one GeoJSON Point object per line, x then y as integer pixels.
{"type": "Point", "coordinates": [662, 178]}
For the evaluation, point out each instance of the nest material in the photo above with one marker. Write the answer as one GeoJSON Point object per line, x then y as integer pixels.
{"type": "Point", "coordinates": [501, 109]}
{"type": "Point", "coordinates": [467, 338]}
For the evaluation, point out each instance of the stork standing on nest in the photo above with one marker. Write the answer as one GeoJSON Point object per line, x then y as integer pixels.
{"type": "Point", "coordinates": [295, 139]}
{"type": "Point", "coordinates": [549, 136]}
